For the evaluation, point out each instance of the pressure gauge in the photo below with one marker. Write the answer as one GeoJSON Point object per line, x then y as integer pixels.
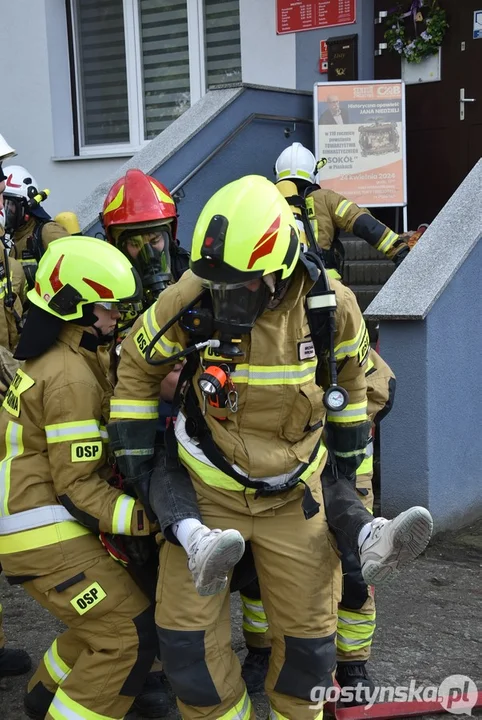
{"type": "Point", "coordinates": [335, 398]}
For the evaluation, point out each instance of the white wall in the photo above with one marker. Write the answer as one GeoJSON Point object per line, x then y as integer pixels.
{"type": "Point", "coordinates": [266, 58]}
{"type": "Point", "coordinates": [31, 87]}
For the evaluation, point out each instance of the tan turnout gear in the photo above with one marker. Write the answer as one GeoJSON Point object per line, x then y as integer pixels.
{"type": "Point", "coordinates": [54, 499]}
{"type": "Point", "coordinates": [8, 326]}
{"type": "Point", "coordinates": [276, 429]}
{"type": "Point", "coordinates": [23, 239]}
{"type": "Point", "coordinates": [330, 212]}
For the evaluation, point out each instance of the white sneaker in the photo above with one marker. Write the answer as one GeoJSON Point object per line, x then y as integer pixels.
{"type": "Point", "coordinates": [212, 554]}
{"type": "Point", "coordinates": [391, 544]}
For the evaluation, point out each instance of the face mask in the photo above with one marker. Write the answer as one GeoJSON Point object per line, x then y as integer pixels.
{"type": "Point", "coordinates": [148, 251]}
{"type": "Point", "coordinates": [237, 307]}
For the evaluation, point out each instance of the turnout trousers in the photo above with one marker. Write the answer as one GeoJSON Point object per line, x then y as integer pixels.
{"type": "Point", "coordinates": [94, 669]}
{"type": "Point", "coordinates": [300, 579]}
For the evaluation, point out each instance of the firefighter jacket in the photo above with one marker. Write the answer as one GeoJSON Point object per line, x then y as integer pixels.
{"type": "Point", "coordinates": [330, 212]}
{"type": "Point", "coordinates": [278, 424]}
{"type": "Point", "coordinates": [10, 316]}
{"type": "Point", "coordinates": [53, 467]}
{"type": "Point", "coordinates": [30, 243]}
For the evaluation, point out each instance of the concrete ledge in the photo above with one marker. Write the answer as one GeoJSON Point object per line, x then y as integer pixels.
{"type": "Point", "coordinates": [413, 289]}
{"type": "Point", "coordinates": [161, 148]}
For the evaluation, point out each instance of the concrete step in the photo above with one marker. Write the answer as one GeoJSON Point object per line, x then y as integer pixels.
{"type": "Point", "coordinates": [365, 294]}
{"type": "Point", "coordinates": [367, 272]}
{"type": "Point", "coordinates": [356, 249]}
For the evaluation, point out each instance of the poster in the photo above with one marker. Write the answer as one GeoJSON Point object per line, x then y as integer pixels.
{"type": "Point", "coordinates": [360, 130]}
{"type": "Point", "coordinates": [296, 15]}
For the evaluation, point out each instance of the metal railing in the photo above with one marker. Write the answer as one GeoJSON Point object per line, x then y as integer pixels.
{"type": "Point", "coordinates": [234, 133]}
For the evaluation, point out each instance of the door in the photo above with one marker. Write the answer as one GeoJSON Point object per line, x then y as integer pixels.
{"type": "Point", "coordinates": [441, 148]}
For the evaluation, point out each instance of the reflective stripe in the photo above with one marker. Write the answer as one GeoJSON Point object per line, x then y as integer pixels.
{"type": "Point", "coordinates": [13, 448]}
{"type": "Point", "coordinates": [275, 715]}
{"type": "Point", "coordinates": [136, 409]}
{"type": "Point", "coordinates": [366, 468]}
{"type": "Point", "coordinates": [274, 374]}
{"type": "Point", "coordinates": [41, 537]}
{"type": "Point", "coordinates": [349, 348]}
{"type": "Point", "coordinates": [164, 346]}
{"type": "Point", "coordinates": [343, 207]}
{"type": "Point", "coordinates": [355, 631]}
{"type": "Point", "coordinates": [139, 452]}
{"type": "Point", "coordinates": [63, 707]}
{"type": "Point", "coordinates": [241, 711]}
{"type": "Point", "coordinates": [103, 433]}
{"type": "Point", "coordinates": [254, 616]}
{"type": "Point", "coordinates": [122, 517]}
{"type": "Point", "coordinates": [322, 301]}
{"type": "Point", "coordinates": [386, 242]}
{"type": "Point", "coordinates": [80, 430]}
{"type": "Point", "coordinates": [332, 273]}
{"type": "Point", "coordinates": [352, 453]}
{"type": "Point", "coordinates": [354, 412]}
{"type": "Point", "coordinates": [56, 667]}
{"type": "Point", "coordinates": [195, 460]}
{"type": "Point", "coordinates": [37, 517]}
{"type": "Point", "coordinates": [294, 174]}
{"type": "Point", "coordinates": [370, 366]}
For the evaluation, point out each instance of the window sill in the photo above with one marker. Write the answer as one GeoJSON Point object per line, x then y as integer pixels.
{"type": "Point", "coordinates": [98, 156]}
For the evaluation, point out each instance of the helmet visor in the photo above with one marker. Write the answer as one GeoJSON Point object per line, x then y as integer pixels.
{"type": "Point", "coordinates": [236, 307]}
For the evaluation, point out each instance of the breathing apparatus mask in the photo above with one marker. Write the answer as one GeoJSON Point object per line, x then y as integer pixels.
{"type": "Point", "coordinates": [147, 247]}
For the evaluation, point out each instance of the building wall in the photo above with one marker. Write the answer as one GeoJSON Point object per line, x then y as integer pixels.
{"type": "Point", "coordinates": [34, 55]}
{"type": "Point", "coordinates": [266, 58]}
{"type": "Point", "coordinates": [308, 47]}
{"type": "Point", "coordinates": [431, 441]}
{"type": "Point", "coordinates": [36, 114]}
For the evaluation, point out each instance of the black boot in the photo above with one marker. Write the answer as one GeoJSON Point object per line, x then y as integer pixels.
{"type": "Point", "coordinates": [14, 662]}
{"type": "Point", "coordinates": [255, 668]}
{"type": "Point", "coordinates": [37, 702]}
{"type": "Point", "coordinates": [153, 700]}
{"type": "Point", "coordinates": [354, 675]}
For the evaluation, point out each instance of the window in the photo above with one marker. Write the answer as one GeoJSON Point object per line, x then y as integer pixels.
{"type": "Point", "coordinates": [139, 64]}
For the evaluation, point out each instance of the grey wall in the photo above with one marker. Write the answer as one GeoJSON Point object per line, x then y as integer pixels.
{"type": "Point", "coordinates": [253, 150]}
{"type": "Point", "coordinates": [308, 47]}
{"type": "Point", "coordinates": [432, 440]}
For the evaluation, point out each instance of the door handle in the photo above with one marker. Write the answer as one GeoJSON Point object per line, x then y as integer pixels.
{"type": "Point", "coordinates": [462, 101]}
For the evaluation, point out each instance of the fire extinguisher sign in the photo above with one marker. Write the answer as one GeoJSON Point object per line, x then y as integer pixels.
{"type": "Point", "coordinates": [323, 57]}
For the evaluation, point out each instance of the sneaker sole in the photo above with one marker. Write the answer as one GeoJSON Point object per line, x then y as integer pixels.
{"type": "Point", "coordinates": [223, 556]}
{"type": "Point", "coordinates": [410, 539]}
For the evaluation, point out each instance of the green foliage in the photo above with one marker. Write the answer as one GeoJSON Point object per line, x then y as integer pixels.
{"type": "Point", "coordinates": [416, 48]}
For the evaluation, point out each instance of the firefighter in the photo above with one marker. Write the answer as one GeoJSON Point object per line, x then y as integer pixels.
{"type": "Point", "coordinates": [330, 212]}
{"type": "Point", "coordinates": [139, 217]}
{"type": "Point", "coordinates": [54, 498]}
{"type": "Point", "coordinates": [31, 227]}
{"type": "Point", "coordinates": [12, 661]}
{"type": "Point", "coordinates": [356, 616]}
{"type": "Point", "coordinates": [254, 455]}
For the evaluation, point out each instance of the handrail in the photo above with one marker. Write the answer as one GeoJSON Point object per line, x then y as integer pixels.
{"type": "Point", "coordinates": [247, 121]}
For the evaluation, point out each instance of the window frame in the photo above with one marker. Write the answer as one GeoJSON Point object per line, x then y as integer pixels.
{"type": "Point", "coordinates": [135, 99]}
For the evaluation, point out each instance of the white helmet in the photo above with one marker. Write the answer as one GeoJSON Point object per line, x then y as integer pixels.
{"type": "Point", "coordinates": [20, 182]}
{"type": "Point", "coordinates": [296, 162]}
{"type": "Point", "coordinates": [5, 150]}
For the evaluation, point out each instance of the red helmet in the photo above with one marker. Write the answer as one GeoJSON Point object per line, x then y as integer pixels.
{"type": "Point", "coordinates": [138, 198]}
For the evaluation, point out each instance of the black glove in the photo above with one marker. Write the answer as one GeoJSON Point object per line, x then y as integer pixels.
{"type": "Point", "coordinates": [400, 256]}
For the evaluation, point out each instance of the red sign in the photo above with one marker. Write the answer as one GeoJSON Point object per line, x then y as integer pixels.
{"type": "Point", "coordinates": [323, 57]}
{"type": "Point", "coordinates": [297, 15]}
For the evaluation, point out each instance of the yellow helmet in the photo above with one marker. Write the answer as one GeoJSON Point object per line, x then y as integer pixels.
{"type": "Point", "coordinates": [75, 271]}
{"type": "Point", "coordinates": [246, 230]}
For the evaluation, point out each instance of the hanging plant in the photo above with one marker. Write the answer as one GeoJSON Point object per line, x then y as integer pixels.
{"type": "Point", "coordinates": [415, 46]}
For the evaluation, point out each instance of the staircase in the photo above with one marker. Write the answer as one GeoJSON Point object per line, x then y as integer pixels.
{"type": "Point", "coordinates": [366, 271]}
